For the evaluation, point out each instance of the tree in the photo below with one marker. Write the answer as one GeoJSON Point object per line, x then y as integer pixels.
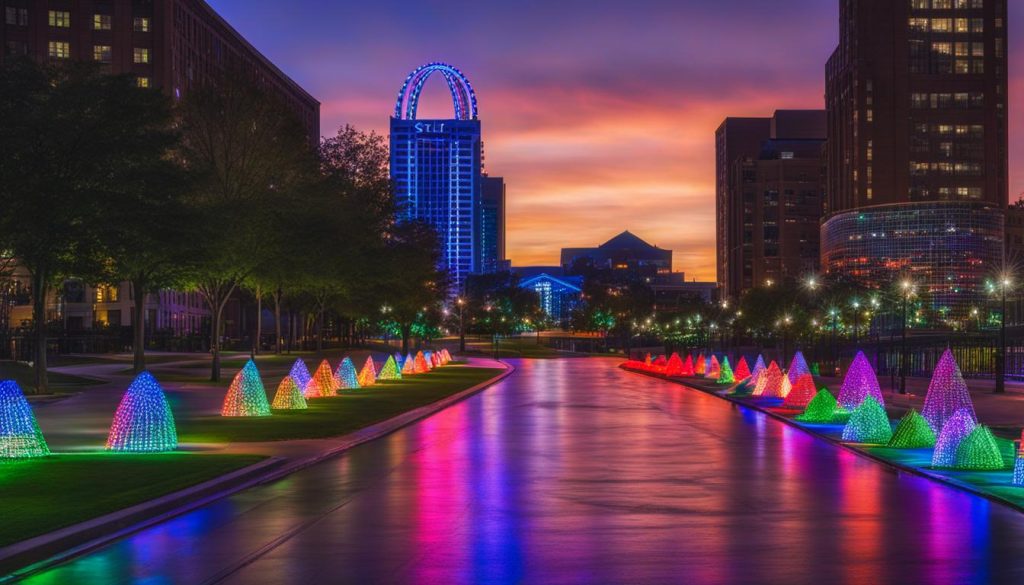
{"type": "Point", "coordinates": [246, 151]}
{"type": "Point", "coordinates": [75, 145]}
{"type": "Point", "coordinates": [411, 285]}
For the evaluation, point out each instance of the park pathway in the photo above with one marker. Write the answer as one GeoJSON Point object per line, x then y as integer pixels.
{"type": "Point", "coordinates": [573, 471]}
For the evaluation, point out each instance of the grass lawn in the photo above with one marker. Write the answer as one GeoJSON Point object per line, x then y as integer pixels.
{"type": "Point", "coordinates": [59, 383]}
{"type": "Point", "coordinates": [517, 348]}
{"type": "Point", "coordinates": [42, 495]}
{"type": "Point", "coordinates": [329, 417]}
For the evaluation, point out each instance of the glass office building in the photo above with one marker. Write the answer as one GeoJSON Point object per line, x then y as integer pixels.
{"type": "Point", "coordinates": [947, 249]}
{"type": "Point", "coordinates": [436, 169]}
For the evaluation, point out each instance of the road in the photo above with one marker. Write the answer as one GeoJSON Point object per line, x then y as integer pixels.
{"type": "Point", "coordinates": [572, 471]}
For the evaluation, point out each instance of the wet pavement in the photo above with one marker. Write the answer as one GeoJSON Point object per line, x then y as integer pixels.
{"type": "Point", "coordinates": [572, 471]}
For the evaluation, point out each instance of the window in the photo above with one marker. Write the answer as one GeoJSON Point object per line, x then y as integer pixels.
{"type": "Point", "coordinates": [942, 4]}
{"type": "Point", "coordinates": [107, 294]}
{"type": "Point", "coordinates": [142, 81]}
{"type": "Point", "coordinates": [16, 48]}
{"type": "Point", "coordinates": [101, 21]}
{"type": "Point", "coordinates": [140, 24]}
{"type": "Point", "coordinates": [102, 53]}
{"type": "Point", "coordinates": [921, 24]}
{"type": "Point", "coordinates": [60, 18]}
{"type": "Point", "coordinates": [919, 4]}
{"type": "Point", "coordinates": [140, 55]}
{"type": "Point", "coordinates": [59, 50]}
{"type": "Point", "coordinates": [942, 25]}
{"type": "Point", "coordinates": [16, 16]}
{"type": "Point", "coordinates": [977, 25]}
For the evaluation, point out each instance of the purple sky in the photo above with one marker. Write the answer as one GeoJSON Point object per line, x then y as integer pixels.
{"type": "Point", "coordinates": [600, 115]}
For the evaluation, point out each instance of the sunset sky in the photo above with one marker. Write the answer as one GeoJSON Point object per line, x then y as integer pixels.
{"type": "Point", "coordinates": [600, 115]}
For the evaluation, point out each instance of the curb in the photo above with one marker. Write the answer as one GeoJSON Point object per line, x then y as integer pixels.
{"type": "Point", "coordinates": [920, 472]}
{"type": "Point", "coordinates": [39, 553]}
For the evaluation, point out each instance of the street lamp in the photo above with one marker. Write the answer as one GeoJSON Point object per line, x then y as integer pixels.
{"type": "Point", "coordinates": [908, 290]}
{"type": "Point", "coordinates": [785, 321]}
{"type": "Point", "coordinates": [1004, 283]}
{"type": "Point", "coordinates": [856, 321]}
{"type": "Point", "coordinates": [461, 304]}
{"type": "Point", "coordinates": [834, 315]}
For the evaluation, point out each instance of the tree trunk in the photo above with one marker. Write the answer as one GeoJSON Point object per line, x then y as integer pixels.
{"type": "Point", "coordinates": [39, 290]}
{"type": "Point", "coordinates": [320, 329]}
{"type": "Point", "coordinates": [406, 332]}
{"type": "Point", "coordinates": [277, 322]}
{"type": "Point", "coordinates": [139, 324]}
{"type": "Point", "coordinates": [259, 321]}
{"type": "Point", "coordinates": [215, 344]}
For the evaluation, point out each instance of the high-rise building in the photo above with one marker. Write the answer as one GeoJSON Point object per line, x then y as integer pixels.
{"type": "Point", "coordinates": [492, 225]}
{"type": "Point", "coordinates": [769, 196]}
{"type": "Point", "coordinates": [436, 167]}
{"type": "Point", "coordinates": [626, 256]}
{"type": "Point", "coordinates": [171, 44]}
{"type": "Point", "coordinates": [917, 153]}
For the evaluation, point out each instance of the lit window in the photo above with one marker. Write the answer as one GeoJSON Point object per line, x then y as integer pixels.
{"type": "Point", "coordinates": [942, 25]}
{"type": "Point", "coordinates": [60, 18]}
{"type": "Point", "coordinates": [142, 81]}
{"type": "Point", "coordinates": [140, 55]}
{"type": "Point", "coordinates": [59, 50]}
{"type": "Point", "coordinates": [140, 24]}
{"type": "Point", "coordinates": [101, 21]}
{"type": "Point", "coordinates": [102, 53]}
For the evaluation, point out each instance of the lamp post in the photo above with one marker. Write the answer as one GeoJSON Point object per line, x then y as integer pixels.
{"type": "Point", "coordinates": [908, 289]}
{"type": "Point", "coordinates": [834, 315]}
{"type": "Point", "coordinates": [461, 304]}
{"type": "Point", "coordinates": [856, 322]}
{"type": "Point", "coordinates": [786, 320]}
{"type": "Point", "coordinates": [1004, 283]}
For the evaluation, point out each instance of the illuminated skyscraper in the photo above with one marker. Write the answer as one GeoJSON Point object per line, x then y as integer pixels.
{"type": "Point", "coordinates": [436, 169]}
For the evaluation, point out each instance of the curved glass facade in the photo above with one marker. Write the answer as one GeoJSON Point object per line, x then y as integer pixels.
{"type": "Point", "coordinates": [948, 249]}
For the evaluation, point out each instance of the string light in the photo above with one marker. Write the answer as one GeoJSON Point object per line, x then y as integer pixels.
{"type": "Point", "coordinates": [979, 451]}
{"type": "Point", "coordinates": [648, 361]}
{"type": "Point", "coordinates": [797, 368]}
{"type": "Point", "coordinates": [802, 394]}
{"type": "Point", "coordinates": [446, 356]}
{"type": "Point", "coordinates": [288, 396]}
{"type": "Point", "coordinates": [714, 369]}
{"type": "Point", "coordinates": [246, 396]}
{"type": "Point", "coordinates": [323, 383]}
{"type": "Point", "coordinates": [955, 430]}
{"type": "Point", "coordinates": [725, 375]}
{"type": "Point", "coordinates": [399, 361]}
{"type": "Point", "coordinates": [859, 383]}
{"type": "Point", "coordinates": [759, 369]}
{"type": "Point", "coordinates": [300, 373]}
{"type": "Point", "coordinates": [786, 387]}
{"type": "Point", "coordinates": [422, 368]}
{"type": "Point", "coordinates": [368, 375]}
{"type": "Point", "coordinates": [20, 436]}
{"type": "Point", "coordinates": [769, 384]}
{"type": "Point", "coordinates": [700, 367]}
{"type": "Point", "coordinates": [346, 377]}
{"type": "Point", "coordinates": [674, 367]}
{"type": "Point", "coordinates": [408, 365]}
{"type": "Point", "coordinates": [390, 371]}
{"type": "Point", "coordinates": [742, 370]}
{"type": "Point", "coordinates": [143, 422]}
{"type": "Point", "coordinates": [913, 432]}
{"type": "Point", "coordinates": [427, 357]}
{"type": "Point", "coordinates": [947, 394]}
{"type": "Point", "coordinates": [868, 424]}
{"type": "Point", "coordinates": [821, 409]}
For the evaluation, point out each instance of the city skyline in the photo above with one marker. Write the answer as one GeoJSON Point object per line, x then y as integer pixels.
{"type": "Point", "coordinates": [576, 108]}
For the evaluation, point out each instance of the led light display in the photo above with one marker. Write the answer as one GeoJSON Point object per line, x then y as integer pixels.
{"type": "Point", "coordinates": [821, 409]}
{"type": "Point", "coordinates": [20, 436]}
{"type": "Point", "coordinates": [979, 451]}
{"type": "Point", "coordinates": [346, 377]}
{"type": "Point", "coordinates": [714, 369]}
{"type": "Point", "coordinates": [947, 394]}
{"type": "Point", "coordinates": [423, 368]}
{"type": "Point", "coordinates": [674, 366]}
{"type": "Point", "coordinates": [390, 371]}
{"type": "Point", "coordinates": [742, 370]}
{"type": "Point", "coordinates": [368, 375]}
{"type": "Point", "coordinates": [300, 374]}
{"type": "Point", "coordinates": [797, 368]}
{"type": "Point", "coordinates": [1018, 464]}
{"type": "Point", "coordinates": [913, 432]}
{"type": "Point", "coordinates": [246, 395]}
{"type": "Point", "coordinates": [408, 365]}
{"type": "Point", "coordinates": [725, 375]}
{"type": "Point", "coordinates": [954, 431]}
{"type": "Point", "coordinates": [786, 387]}
{"type": "Point", "coordinates": [769, 384]}
{"type": "Point", "coordinates": [859, 383]}
{"type": "Point", "coordinates": [648, 361]}
{"type": "Point", "coordinates": [801, 394]}
{"type": "Point", "coordinates": [428, 356]}
{"type": "Point", "coordinates": [687, 366]}
{"type": "Point", "coordinates": [868, 424]}
{"type": "Point", "coordinates": [288, 396]}
{"type": "Point", "coordinates": [700, 367]}
{"type": "Point", "coordinates": [323, 383]}
{"type": "Point", "coordinates": [143, 422]}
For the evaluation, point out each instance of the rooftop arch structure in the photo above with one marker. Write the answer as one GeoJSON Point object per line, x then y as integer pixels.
{"type": "Point", "coordinates": [463, 96]}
